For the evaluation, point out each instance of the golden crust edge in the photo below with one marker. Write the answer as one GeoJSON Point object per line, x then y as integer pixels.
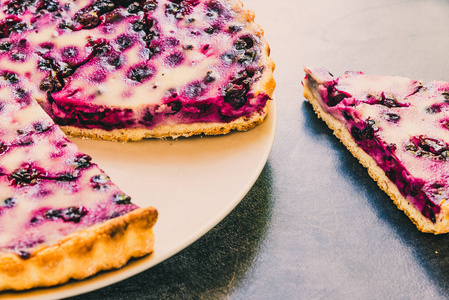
{"type": "Point", "coordinates": [101, 247]}
{"type": "Point", "coordinates": [423, 224]}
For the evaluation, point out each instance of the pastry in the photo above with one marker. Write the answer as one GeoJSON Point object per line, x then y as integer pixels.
{"type": "Point", "coordinates": [128, 70]}
{"type": "Point", "coordinates": [398, 128]}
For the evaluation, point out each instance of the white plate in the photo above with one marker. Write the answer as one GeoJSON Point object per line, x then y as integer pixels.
{"type": "Point", "coordinates": [194, 183]}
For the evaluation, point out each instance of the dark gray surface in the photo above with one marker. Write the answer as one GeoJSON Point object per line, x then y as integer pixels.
{"type": "Point", "coordinates": [315, 226]}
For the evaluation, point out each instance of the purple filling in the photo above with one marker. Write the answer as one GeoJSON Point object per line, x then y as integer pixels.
{"type": "Point", "coordinates": [365, 135]}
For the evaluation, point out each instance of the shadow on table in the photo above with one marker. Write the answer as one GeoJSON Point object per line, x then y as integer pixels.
{"type": "Point", "coordinates": [213, 266]}
{"type": "Point", "coordinates": [430, 251]}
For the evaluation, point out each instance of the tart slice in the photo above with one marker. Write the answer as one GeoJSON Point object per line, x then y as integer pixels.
{"type": "Point", "coordinates": [61, 216]}
{"type": "Point", "coordinates": [128, 70]}
{"type": "Point", "coordinates": [399, 130]}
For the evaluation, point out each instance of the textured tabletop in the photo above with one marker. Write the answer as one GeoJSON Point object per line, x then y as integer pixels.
{"type": "Point", "coordinates": [315, 226]}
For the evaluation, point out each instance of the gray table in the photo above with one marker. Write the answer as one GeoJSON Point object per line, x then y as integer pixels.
{"type": "Point", "coordinates": [315, 226]}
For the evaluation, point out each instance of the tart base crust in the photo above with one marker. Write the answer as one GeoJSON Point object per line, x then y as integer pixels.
{"type": "Point", "coordinates": [104, 246]}
{"type": "Point", "coordinates": [422, 223]}
{"type": "Point", "coordinates": [168, 131]}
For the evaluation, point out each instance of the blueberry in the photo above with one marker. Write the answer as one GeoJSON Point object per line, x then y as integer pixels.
{"type": "Point", "coordinates": [134, 8]}
{"type": "Point", "coordinates": [150, 5]}
{"type": "Point", "coordinates": [66, 177]}
{"type": "Point", "coordinates": [140, 73]}
{"type": "Point", "coordinates": [5, 46]}
{"type": "Point", "coordinates": [234, 29]}
{"type": "Point", "coordinates": [25, 176]}
{"type": "Point", "coordinates": [194, 90]}
{"type": "Point", "coordinates": [247, 57]}
{"type": "Point", "coordinates": [213, 29]}
{"type": "Point", "coordinates": [103, 6]}
{"type": "Point", "coordinates": [391, 117]}
{"type": "Point", "coordinates": [15, 7]}
{"type": "Point", "coordinates": [228, 58]}
{"type": "Point", "coordinates": [70, 214]}
{"type": "Point", "coordinates": [101, 179]}
{"type": "Point", "coordinates": [114, 60]}
{"type": "Point", "coordinates": [10, 77]}
{"type": "Point", "coordinates": [9, 202]}
{"type": "Point", "coordinates": [50, 84]}
{"type": "Point", "coordinates": [124, 42]}
{"type": "Point", "coordinates": [138, 25]}
{"type": "Point", "coordinates": [83, 161]}
{"type": "Point", "coordinates": [179, 8]}
{"type": "Point", "coordinates": [244, 43]}
{"type": "Point", "coordinates": [236, 96]}
{"type": "Point", "coordinates": [174, 59]}
{"type": "Point", "coordinates": [153, 51]}
{"type": "Point", "coordinates": [87, 18]}
{"type": "Point", "coordinates": [70, 52]}
{"type": "Point", "coordinates": [121, 199]}
{"type": "Point", "coordinates": [18, 56]}
{"type": "Point", "coordinates": [3, 148]}
{"type": "Point", "coordinates": [48, 5]}
{"type": "Point", "coordinates": [21, 93]}
{"type": "Point", "coordinates": [175, 106]}
{"type": "Point", "coordinates": [209, 77]}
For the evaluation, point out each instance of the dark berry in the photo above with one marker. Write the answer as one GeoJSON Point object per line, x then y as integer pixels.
{"type": "Point", "coordinates": [48, 5]}
{"type": "Point", "coordinates": [103, 6]}
{"type": "Point", "coordinates": [15, 7]}
{"type": "Point", "coordinates": [121, 199]}
{"type": "Point", "coordinates": [124, 42]}
{"type": "Point", "coordinates": [174, 59]}
{"type": "Point", "coordinates": [5, 46]}
{"type": "Point", "coordinates": [70, 52]}
{"type": "Point", "coordinates": [234, 29]}
{"type": "Point", "coordinates": [391, 117]}
{"type": "Point", "coordinates": [10, 77]}
{"type": "Point", "coordinates": [244, 43]}
{"type": "Point", "coordinates": [213, 29]}
{"type": "Point", "coordinates": [101, 179]}
{"type": "Point", "coordinates": [247, 57]}
{"type": "Point", "coordinates": [50, 84]}
{"type": "Point", "coordinates": [18, 56]}
{"type": "Point", "coordinates": [9, 202]}
{"type": "Point", "coordinates": [25, 176]}
{"type": "Point", "coordinates": [21, 93]}
{"type": "Point", "coordinates": [141, 73]}
{"type": "Point", "coordinates": [150, 5]}
{"type": "Point", "coordinates": [138, 25]}
{"type": "Point", "coordinates": [194, 90]}
{"type": "Point", "coordinates": [70, 214]}
{"type": "Point", "coordinates": [88, 18]}
{"type": "Point", "coordinates": [236, 96]}
{"type": "Point", "coordinates": [175, 106]}
{"type": "Point", "coordinates": [209, 77]}
{"type": "Point", "coordinates": [3, 148]}
{"type": "Point", "coordinates": [82, 161]}
{"type": "Point", "coordinates": [153, 51]}
{"type": "Point", "coordinates": [23, 254]}
{"type": "Point", "coordinates": [134, 8]}
{"type": "Point", "coordinates": [66, 177]}
{"type": "Point", "coordinates": [228, 58]}
{"type": "Point", "coordinates": [180, 8]}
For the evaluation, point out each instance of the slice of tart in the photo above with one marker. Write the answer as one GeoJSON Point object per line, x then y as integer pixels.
{"type": "Point", "coordinates": [399, 130]}
{"type": "Point", "coordinates": [128, 70]}
{"type": "Point", "coordinates": [61, 216]}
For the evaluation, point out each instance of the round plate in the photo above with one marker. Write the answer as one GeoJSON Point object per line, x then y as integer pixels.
{"type": "Point", "coordinates": [194, 183]}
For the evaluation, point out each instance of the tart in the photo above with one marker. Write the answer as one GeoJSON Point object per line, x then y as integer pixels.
{"type": "Point", "coordinates": [128, 70]}
{"type": "Point", "coordinates": [398, 128]}
{"type": "Point", "coordinates": [61, 216]}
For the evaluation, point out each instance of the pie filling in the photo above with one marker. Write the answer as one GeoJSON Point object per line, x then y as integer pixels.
{"type": "Point", "coordinates": [48, 188]}
{"type": "Point", "coordinates": [400, 123]}
{"type": "Point", "coordinates": [135, 64]}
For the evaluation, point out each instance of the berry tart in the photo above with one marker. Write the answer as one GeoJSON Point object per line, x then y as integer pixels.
{"type": "Point", "coordinates": [399, 130]}
{"type": "Point", "coordinates": [128, 70]}
{"type": "Point", "coordinates": [115, 70]}
{"type": "Point", "coordinates": [61, 216]}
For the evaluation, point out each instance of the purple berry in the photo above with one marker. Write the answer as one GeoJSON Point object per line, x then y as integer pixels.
{"type": "Point", "coordinates": [141, 73]}
{"type": "Point", "coordinates": [27, 175]}
{"type": "Point", "coordinates": [83, 161]}
{"type": "Point", "coordinates": [9, 202]}
{"type": "Point", "coordinates": [70, 214]}
{"type": "Point", "coordinates": [121, 199]}
{"type": "Point", "coordinates": [124, 42]}
{"type": "Point", "coordinates": [174, 59]}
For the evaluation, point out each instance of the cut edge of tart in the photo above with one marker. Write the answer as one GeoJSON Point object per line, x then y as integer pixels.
{"type": "Point", "coordinates": [316, 76]}
{"type": "Point", "coordinates": [101, 247]}
{"type": "Point", "coordinates": [168, 131]}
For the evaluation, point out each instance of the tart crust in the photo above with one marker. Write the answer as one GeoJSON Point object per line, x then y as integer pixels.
{"type": "Point", "coordinates": [341, 132]}
{"type": "Point", "coordinates": [79, 255]}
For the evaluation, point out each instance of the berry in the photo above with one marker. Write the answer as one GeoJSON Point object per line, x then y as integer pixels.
{"type": "Point", "coordinates": [82, 161]}
{"type": "Point", "coordinates": [121, 199]}
{"type": "Point", "coordinates": [10, 77]}
{"type": "Point", "coordinates": [27, 175]}
{"type": "Point", "coordinates": [101, 179]}
{"type": "Point", "coordinates": [141, 73]}
{"type": "Point", "coordinates": [70, 214]}
{"type": "Point", "coordinates": [174, 59]}
{"type": "Point", "coordinates": [66, 177]}
{"type": "Point", "coordinates": [124, 42]}
{"type": "Point", "coordinates": [9, 202]}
